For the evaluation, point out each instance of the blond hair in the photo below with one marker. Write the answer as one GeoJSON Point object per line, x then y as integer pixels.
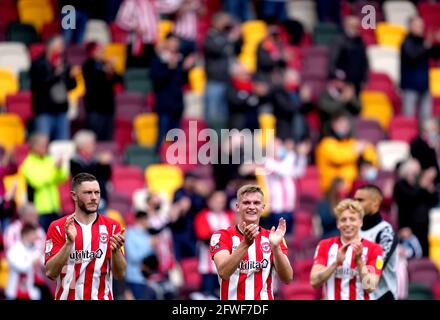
{"type": "Point", "coordinates": [248, 188]}
{"type": "Point", "coordinates": [351, 205]}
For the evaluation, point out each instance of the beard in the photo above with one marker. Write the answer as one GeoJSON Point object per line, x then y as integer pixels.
{"type": "Point", "coordinates": [83, 207]}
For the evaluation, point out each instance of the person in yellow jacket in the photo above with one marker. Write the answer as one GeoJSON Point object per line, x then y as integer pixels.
{"type": "Point", "coordinates": [43, 174]}
{"type": "Point", "coordinates": [337, 155]}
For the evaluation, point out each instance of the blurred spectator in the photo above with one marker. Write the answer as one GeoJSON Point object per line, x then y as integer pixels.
{"type": "Point", "coordinates": [190, 201]}
{"type": "Point", "coordinates": [333, 196]}
{"type": "Point", "coordinates": [43, 174]}
{"type": "Point", "coordinates": [339, 97]}
{"type": "Point", "coordinates": [410, 245]}
{"type": "Point", "coordinates": [415, 194]}
{"type": "Point", "coordinates": [284, 164]}
{"type": "Point", "coordinates": [348, 53]}
{"type": "Point", "coordinates": [99, 99]}
{"type": "Point", "coordinates": [239, 9]}
{"type": "Point", "coordinates": [337, 155]}
{"type": "Point", "coordinates": [290, 103]}
{"type": "Point", "coordinates": [415, 52]}
{"type": "Point", "coordinates": [141, 19]}
{"type": "Point", "coordinates": [245, 97]}
{"type": "Point", "coordinates": [28, 215]}
{"type": "Point", "coordinates": [206, 222]}
{"type": "Point", "coordinates": [86, 160]}
{"type": "Point", "coordinates": [219, 51]}
{"type": "Point", "coordinates": [7, 202]}
{"type": "Point", "coordinates": [138, 246]}
{"type": "Point", "coordinates": [22, 259]}
{"type": "Point", "coordinates": [81, 16]}
{"type": "Point", "coordinates": [51, 78]}
{"type": "Point", "coordinates": [185, 25]}
{"type": "Point", "coordinates": [167, 72]}
{"type": "Point", "coordinates": [271, 58]}
{"type": "Point", "coordinates": [426, 146]}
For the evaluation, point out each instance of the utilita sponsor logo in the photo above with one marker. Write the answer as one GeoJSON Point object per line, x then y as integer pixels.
{"type": "Point", "coordinates": [248, 265]}
{"type": "Point", "coordinates": [85, 255]}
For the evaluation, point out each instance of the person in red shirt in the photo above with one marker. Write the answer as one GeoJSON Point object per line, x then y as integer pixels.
{"type": "Point", "coordinates": [84, 250]}
{"type": "Point", "coordinates": [246, 255]}
{"type": "Point", "coordinates": [349, 266]}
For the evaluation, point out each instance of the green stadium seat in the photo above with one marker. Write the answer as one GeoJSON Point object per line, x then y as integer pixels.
{"type": "Point", "coordinates": [140, 156]}
{"type": "Point", "coordinates": [22, 32]}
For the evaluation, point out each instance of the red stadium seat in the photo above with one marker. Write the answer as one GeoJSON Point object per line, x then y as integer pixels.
{"type": "Point", "coordinates": [120, 202]}
{"type": "Point", "coordinates": [67, 204]}
{"type": "Point", "coordinates": [21, 104]}
{"type": "Point", "coordinates": [403, 128]}
{"type": "Point", "coordinates": [192, 279]}
{"type": "Point", "coordinates": [298, 290]}
{"type": "Point", "coordinates": [369, 129]}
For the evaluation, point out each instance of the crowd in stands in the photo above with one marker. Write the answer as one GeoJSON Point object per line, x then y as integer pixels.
{"type": "Point", "coordinates": [350, 105]}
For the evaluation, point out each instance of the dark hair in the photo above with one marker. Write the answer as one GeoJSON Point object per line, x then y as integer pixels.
{"type": "Point", "coordinates": [82, 177]}
{"type": "Point", "coordinates": [372, 188]}
{"type": "Point", "coordinates": [141, 215]}
{"type": "Point", "coordinates": [27, 228]}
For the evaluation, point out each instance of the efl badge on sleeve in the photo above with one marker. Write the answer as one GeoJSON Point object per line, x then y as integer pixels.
{"type": "Point", "coordinates": [49, 246]}
{"type": "Point", "coordinates": [379, 262]}
{"type": "Point", "coordinates": [215, 239]}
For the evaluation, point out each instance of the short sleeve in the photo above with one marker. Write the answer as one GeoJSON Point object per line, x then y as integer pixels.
{"type": "Point", "coordinates": [321, 256]}
{"type": "Point", "coordinates": [375, 259]}
{"type": "Point", "coordinates": [220, 240]}
{"type": "Point", "coordinates": [54, 242]}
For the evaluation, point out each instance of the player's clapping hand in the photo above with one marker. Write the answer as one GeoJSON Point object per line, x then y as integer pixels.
{"type": "Point", "coordinates": [117, 241]}
{"type": "Point", "coordinates": [277, 235]}
{"type": "Point", "coordinates": [357, 249]}
{"type": "Point", "coordinates": [250, 232]}
{"type": "Point", "coordinates": [70, 229]}
{"type": "Point", "coordinates": [341, 253]}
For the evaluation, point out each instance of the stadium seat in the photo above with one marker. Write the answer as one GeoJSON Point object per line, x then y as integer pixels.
{"type": "Point", "coordinates": [434, 81]}
{"type": "Point", "coordinates": [369, 130]}
{"type": "Point", "coordinates": [118, 35]}
{"type": "Point", "coordinates": [391, 152]}
{"type": "Point", "coordinates": [146, 128]}
{"type": "Point", "coordinates": [12, 131]}
{"type": "Point", "coordinates": [386, 60]}
{"type": "Point", "coordinates": [399, 11]}
{"type": "Point", "coordinates": [382, 82]}
{"type": "Point", "coordinates": [36, 50]}
{"type": "Point", "coordinates": [315, 62]}
{"type": "Point", "coordinates": [403, 128]}
{"type": "Point", "coordinates": [197, 79]}
{"type": "Point", "coordinates": [419, 292]}
{"type": "Point", "coordinates": [192, 279]}
{"type": "Point", "coordinates": [36, 13]}
{"type": "Point", "coordinates": [22, 32]}
{"type": "Point", "coordinates": [18, 180]}
{"type": "Point", "coordinates": [141, 156]}
{"type": "Point", "coordinates": [8, 85]}
{"type": "Point", "coordinates": [67, 204]}
{"type": "Point", "coordinates": [138, 80]}
{"type": "Point", "coordinates": [123, 134]}
{"type": "Point", "coordinates": [115, 215]}
{"type": "Point", "coordinates": [119, 202]}
{"type": "Point", "coordinates": [116, 52]}
{"type": "Point", "coordinates": [310, 185]}
{"type": "Point", "coordinates": [164, 179]}
{"type": "Point", "coordinates": [98, 31]}
{"type": "Point", "coordinates": [20, 104]}
{"type": "Point", "coordinates": [303, 11]}
{"type": "Point", "coordinates": [390, 35]}
{"type": "Point", "coordinates": [76, 54]}
{"type": "Point", "coordinates": [324, 33]}
{"type": "Point", "coordinates": [307, 202]}
{"type": "Point", "coordinates": [129, 105]}
{"type": "Point", "coordinates": [164, 28]}
{"type": "Point", "coordinates": [3, 272]}
{"type": "Point", "coordinates": [62, 149]}
{"type": "Point", "coordinates": [377, 106]}
{"type": "Point", "coordinates": [126, 179]}
{"type": "Point", "coordinates": [21, 151]}
{"type": "Point", "coordinates": [15, 57]}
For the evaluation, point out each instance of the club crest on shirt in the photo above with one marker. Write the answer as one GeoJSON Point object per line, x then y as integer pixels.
{"type": "Point", "coordinates": [265, 247]}
{"type": "Point", "coordinates": [103, 237]}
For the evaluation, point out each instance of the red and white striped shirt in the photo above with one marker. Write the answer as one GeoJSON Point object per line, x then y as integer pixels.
{"type": "Point", "coordinates": [280, 181]}
{"type": "Point", "coordinates": [186, 22]}
{"type": "Point", "coordinates": [13, 235]}
{"type": "Point", "coordinates": [87, 274]}
{"type": "Point", "coordinates": [205, 223]}
{"type": "Point", "coordinates": [345, 282]}
{"type": "Point", "coordinates": [253, 279]}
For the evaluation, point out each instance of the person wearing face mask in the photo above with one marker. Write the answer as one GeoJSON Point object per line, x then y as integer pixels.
{"type": "Point", "coordinates": [348, 53]}
{"type": "Point", "coordinates": [337, 155]}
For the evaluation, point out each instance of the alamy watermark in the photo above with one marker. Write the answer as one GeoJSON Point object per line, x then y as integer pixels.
{"type": "Point", "coordinates": [207, 146]}
{"type": "Point", "coordinates": [68, 22]}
